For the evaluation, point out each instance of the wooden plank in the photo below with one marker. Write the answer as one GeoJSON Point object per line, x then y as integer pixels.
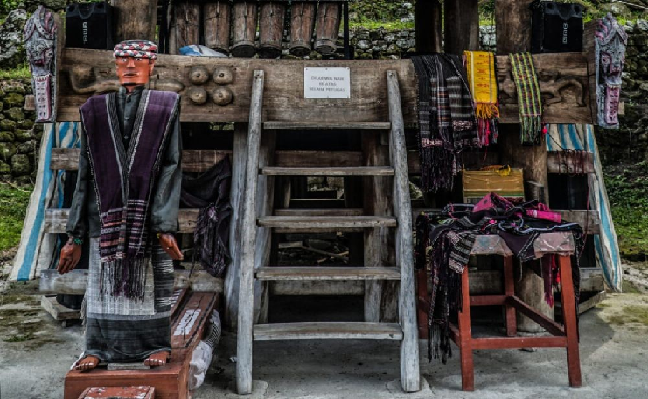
{"type": "Point", "coordinates": [188, 326]}
{"type": "Point", "coordinates": [376, 240]}
{"type": "Point", "coordinates": [327, 330]}
{"type": "Point", "coordinates": [192, 160]}
{"type": "Point", "coordinates": [232, 282]}
{"type": "Point", "coordinates": [563, 82]}
{"type": "Point", "coordinates": [592, 280]}
{"type": "Point", "coordinates": [551, 326]}
{"type": "Point", "coordinates": [317, 288]}
{"type": "Point", "coordinates": [318, 159]}
{"type": "Point", "coordinates": [314, 273]}
{"type": "Point", "coordinates": [321, 223]}
{"type": "Point", "coordinates": [339, 171]}
{"type": "Point", "coordinates": [518, 342]}
{"type": "Point", "coordinates": [93, 70]}
{"type": "Point", "coordinates": [76, 281]}
{"type": "Point", "coordinates": [591, 302]}
{"type": "Point", "coordinates": [58, 311]}
{"type": "Point", "coordinates": [571, 163]}
{"type": "Point", "coordinates": [248, 241]}
{"type": "Point", "coordinates": [569, 309]}
{"type": "Point", "coordinates": [319, 212]}
{"type": "Point", "coordinates": [410, 372]}
{"type": "Point", "coordinates": [275, 125]}
{"type": "Point", "coordinates": [56, 219]}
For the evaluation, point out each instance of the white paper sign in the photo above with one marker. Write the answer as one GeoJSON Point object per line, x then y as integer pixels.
{"type": "Point", "coordinates": [327, 82]}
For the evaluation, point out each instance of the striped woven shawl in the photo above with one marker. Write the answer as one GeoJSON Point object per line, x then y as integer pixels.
{"type": "Point", "coordinates": [124, 180]}
{"type": "Point", "coordinates": [529, 101]}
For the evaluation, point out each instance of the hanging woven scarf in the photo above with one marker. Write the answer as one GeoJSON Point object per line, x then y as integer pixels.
{"type": "Point", "coordinates": [529, 101]}
{"type": "Point", "coordinates": [480, 66]}
{"type": "Point", "coordinates": [446, 120]}
{"type": "Point", "coordinates": [124, 181]}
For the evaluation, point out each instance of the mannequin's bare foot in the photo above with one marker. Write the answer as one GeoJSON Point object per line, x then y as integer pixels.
{"type": "Point", "coordinates": [157, 359]}
{"type": "Point", "coordinates": [87, 363]}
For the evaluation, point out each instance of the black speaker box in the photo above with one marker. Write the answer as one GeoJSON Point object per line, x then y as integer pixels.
{"type": "Point", "coordinates": [89, 25]}
{"type": "Point", "coordinates": [556, 27]}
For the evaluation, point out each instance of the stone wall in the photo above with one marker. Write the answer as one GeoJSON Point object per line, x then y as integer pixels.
{"type": "Point", "coordinates": [18, 134]}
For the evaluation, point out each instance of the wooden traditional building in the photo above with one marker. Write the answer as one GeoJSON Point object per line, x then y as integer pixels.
{"type": "Point", "coordinates": [280, 137]}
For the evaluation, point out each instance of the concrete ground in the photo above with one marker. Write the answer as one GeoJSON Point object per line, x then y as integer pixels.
{"type": "Point", "coordinates": [36, 352]}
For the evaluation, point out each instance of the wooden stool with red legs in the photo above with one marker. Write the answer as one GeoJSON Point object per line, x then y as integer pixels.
{"type": "Point", "coordinates": [562, 337]}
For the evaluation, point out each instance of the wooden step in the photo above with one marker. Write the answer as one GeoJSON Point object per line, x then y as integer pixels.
{"type": "Point", "coordinates": [327, 330]}
{"type": "Point", "coordinates": [316, 273]}
{"type": "Point", "coordinates": [276, 125]}
{"type": "Point", "coordinates": [348, 171]}
{"type": "Point", "coordinates": [286, 224]}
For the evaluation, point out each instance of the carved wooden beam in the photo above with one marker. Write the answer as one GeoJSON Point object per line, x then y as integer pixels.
{"type": "Point", "coordinates": [563, 82]}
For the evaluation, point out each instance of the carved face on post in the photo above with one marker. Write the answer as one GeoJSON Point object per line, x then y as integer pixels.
{"type": "Point", "coordinates": [135, 60]}
{"type": "Point", "coordinates": [611, 41]}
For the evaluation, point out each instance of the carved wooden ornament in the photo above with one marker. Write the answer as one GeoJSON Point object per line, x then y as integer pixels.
{"type": "Point", "coordinates": [223, 76]}
{"type": "Point", "coordinates": [222, 96]}
{"type": "Point", "coordinates": [198, 75]}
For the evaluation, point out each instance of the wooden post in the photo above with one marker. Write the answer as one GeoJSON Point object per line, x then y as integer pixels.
{"type": "Point", "coordinates": [244, 22]}
{"type": "Point", "coordinates": [244, 344]}
{"type": "Point", "coordinates": [378, 204]}
{"type": "Point", "coordinates": [328, 26]}
{"type": "Point", "coordinates": [217, 17]}
{"type": "Point", "coordinates": [427, 19]}
{"type": "Point", "coordinates": [265, 199]}
{"type": "Point", "coordinates": [461, 22]}
{"type": "Point", "coordinates": [410, 372]}
{"type": "Point", "coordinates": [302, 15]}
{"type": "Point", "coordinates": [184, 26]}
{"type": "Point", "coordinates": [232, 282]}
{"type": "Point", "coordinates": [271, 27]}
{"type": "Point", "coordinates": [513, 20]}
{"type": "Point", "coordinates": [136, 19]}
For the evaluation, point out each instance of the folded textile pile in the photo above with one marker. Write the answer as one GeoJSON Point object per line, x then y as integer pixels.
{"type": "Point", "coordinates": [447, 122]}
{"type": "Point", "coordinates": [480, 66]}
{"type": "Point", "coordinates": [444, 244]}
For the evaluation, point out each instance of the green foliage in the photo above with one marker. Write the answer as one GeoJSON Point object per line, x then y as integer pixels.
{"type": "Point", "coordinates": [17, 73]}
{"type": "Point", "coordinates": [13, 205]}
{"type": "Point", "coordinates": [627, 192]}
{"type": "Point", "coordinates": [389, 26]}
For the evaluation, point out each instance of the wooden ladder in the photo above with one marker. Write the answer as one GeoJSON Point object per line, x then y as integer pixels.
{"type": "Point", "coordinates": [406, 329]}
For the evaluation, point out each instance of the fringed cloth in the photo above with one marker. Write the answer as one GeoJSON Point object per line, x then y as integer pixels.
{"type": "Point", "coordinates": [480, 66]}
{"type": "Point", "coordinates": [124, 182]}
{"type": "Point", "coordinates": [529, 100]}
{"type": "Point", "coordinates": [446, 120]}
{"type": "Point", "coordinates": [210, 192]}
{"type": "Point", "coordinates": [443, 247]}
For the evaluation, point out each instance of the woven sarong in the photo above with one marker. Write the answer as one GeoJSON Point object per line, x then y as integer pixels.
{"type": "Point", "coordinates": [529, 101]}
{"type": "Point", "coordinates": [480, 66]}
{"type": "Point", "coordinates": [122, 329]}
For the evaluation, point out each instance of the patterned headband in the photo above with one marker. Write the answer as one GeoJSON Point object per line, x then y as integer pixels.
{"type": "Point", "coordinates": [137, 49]}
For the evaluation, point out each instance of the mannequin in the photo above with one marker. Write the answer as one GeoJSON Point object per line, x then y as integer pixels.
{"type": "Point", "coordinates": [126, 201]}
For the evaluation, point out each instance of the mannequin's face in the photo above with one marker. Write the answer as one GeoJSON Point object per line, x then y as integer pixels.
{"type": "Point", "coordinates": [133, 71]}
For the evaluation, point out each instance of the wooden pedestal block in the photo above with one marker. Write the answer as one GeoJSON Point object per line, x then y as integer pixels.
{"type": "Point", "coordinates": [170, 380]}
{"type": "Point", "coordinates": [119, 393]}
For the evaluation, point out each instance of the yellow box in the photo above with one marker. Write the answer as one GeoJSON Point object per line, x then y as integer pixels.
{"type": "Point", "coordinates": [478, 183]}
